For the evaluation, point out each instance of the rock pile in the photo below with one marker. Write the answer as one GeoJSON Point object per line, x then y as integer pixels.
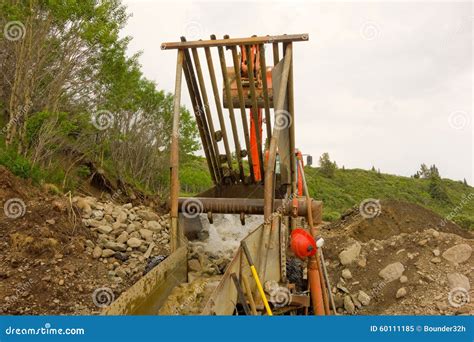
{"type": "Point", "coordinates": [127, 238]}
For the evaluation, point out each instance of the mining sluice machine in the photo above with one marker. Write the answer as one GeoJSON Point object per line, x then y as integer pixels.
{"type": "Point", "coordinates": [255, 169]}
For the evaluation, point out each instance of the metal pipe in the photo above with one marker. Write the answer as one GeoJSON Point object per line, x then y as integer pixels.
{"type": "Point", "coordinates": [253, 97]}
{"type": "Point", "coordinates": [249, 206]}
{"type": "Point", "coordinates": [240, 294]}
{"type": "Point", "coordinates": [314, 263]}
{"type": "Point", "coordinates": [263, 69]}
{"type": "Point", "coordinates": [197, 113]}
{"type": "Point", "coordinates": [326, 277]}
{"type": "Point", "coordinates": [243, 112]}
{"type": "Point", "coordinates": [270, 172]}
{"type": "Point", "coordinates": [236, 41]}
{"type": "Point", "coordinates": [174, 158]}
{"type": "Point", "coordinates": [207, 110]}
{"type": "Point", "coordinates": [276, 54]}
{"type": "Point", "coordinates": [248, 291]}
{"type": "Point", "coordinates": [291, 110]}
{"type": "Point", "coordinates": [200, 110]}
{"type": "Point", "coordinates": [231, 110]}
{"type": "Point", "coordinates": [215, 89]}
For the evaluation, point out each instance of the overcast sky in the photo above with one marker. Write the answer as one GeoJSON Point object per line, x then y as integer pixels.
{"type": "Point", "coordinates": [387, 84]}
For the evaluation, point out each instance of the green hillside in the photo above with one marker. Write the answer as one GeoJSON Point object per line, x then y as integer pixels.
{"type": "Point", "coordinates": [348, 187]}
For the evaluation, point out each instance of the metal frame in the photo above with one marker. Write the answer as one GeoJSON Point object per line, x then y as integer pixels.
{"type": "Point", "coordinates": [223, 176]}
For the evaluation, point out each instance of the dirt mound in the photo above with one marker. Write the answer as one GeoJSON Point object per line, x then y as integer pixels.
{"type": "Point", "coordinates": [395, 217]}
{"type": "Point", "coordinates": [403, 261]}
{"type": "Point", "coordinates": [47, 264]}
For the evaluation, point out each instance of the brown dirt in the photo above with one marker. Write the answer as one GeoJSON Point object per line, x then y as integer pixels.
{"type": "Point", "coordinates": [43, 267]}
{"type": "Point", "coordinates": [405, 233]}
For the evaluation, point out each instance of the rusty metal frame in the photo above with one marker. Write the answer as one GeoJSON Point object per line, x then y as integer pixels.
{"type": "Point", "coordinates": [209, 136]}
{"type": "Point", "coordinates": [236, 41]}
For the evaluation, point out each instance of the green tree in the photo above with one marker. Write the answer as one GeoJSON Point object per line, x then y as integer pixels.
{"type": "Point", "coordinates": [328, 168]}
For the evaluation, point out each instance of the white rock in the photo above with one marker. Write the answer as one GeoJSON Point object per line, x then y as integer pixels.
{"type": "Point", "coordinates": [458, 254]}
{"type": "Point", "coordinates": [348, 304]}
{"type": "Point", "coordinates": [392, 271]}
{"type": "Point", "coordinates": [363, 297]}
{"type": "Point", "coordinates": [106, 253]}
{"type": "Point", "coordinates": [146, 234]}
{"type": "Point", "coordinates": [148, 215]}
{"type": "Point", "coordinates": [154, 226]}
{"type": "Point", "coordinates": [458, 280]}
{"type": "Point", "coordinates": [104, 229]}
{"type": "Point", "coordinates": [97, 252]}
{"type": "Point", "coordinates": [122, 238]}
{"type": "Point", "coordinates": [403, 279]}
{"type": "Point", "coordinates": [119, 247]}
{"type": "Point", "coordinates": [350, 254]}
{"type": "Point", "coordinates": [402, 292]}
{"type": "Point", "coordinates": [134, 242]}
{"type": "Point", "coordinates": [346, 274]}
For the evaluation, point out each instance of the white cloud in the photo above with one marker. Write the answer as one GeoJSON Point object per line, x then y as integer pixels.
{"type": "Point", "coordinates": [375, 84]}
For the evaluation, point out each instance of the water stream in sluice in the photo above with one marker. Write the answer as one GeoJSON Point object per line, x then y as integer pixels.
{"type": "Point", "coordinates": [208, 259]}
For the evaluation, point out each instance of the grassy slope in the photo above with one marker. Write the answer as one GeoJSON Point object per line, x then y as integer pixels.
{"type": "Point", "coordinates": [349, 187]}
